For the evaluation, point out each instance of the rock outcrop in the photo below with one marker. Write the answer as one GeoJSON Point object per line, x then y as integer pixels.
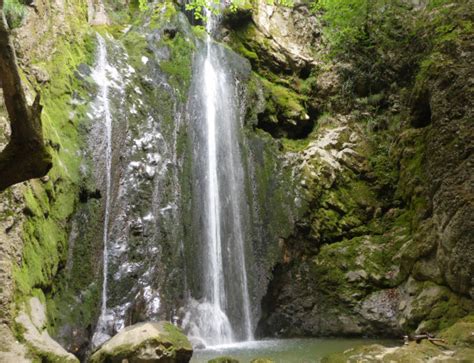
{"type": "Point", "coordinates": [146, 342]}
{"type": "Point", "coordinates": [385, 246]}
{"type": "Point", "coordinates": [32, 321]}
{"type": "Point", "coordinates": [362, 165]}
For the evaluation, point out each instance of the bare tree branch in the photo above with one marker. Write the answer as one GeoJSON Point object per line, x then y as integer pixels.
{"type": "Point", "coordinates": [25, 156]}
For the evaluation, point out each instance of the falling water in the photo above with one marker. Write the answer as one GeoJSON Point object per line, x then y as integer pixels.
{"type": "Point", "coordinates": [216, 290]}
{"type": "Point", "coordinates": [101, 78]}
{"type": "Point", "coordinates": [225, 273]}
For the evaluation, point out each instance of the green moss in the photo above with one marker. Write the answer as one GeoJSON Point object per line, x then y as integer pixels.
{"type": "Point", "coordinates": [245, 40]}
{"type": "Point", "coordinates": [137, 46]}
{"type": "Point", "coordinates": [50, 203]}
{"type": "Point", "coordinates": [169, 343]}
{"type": "Point", "coordinates": [447, 309]}
{"type": "Point", "coordinates": [199, 31]}
{"type": "Point", "coordinates": [15, 12]}
{"type": "Point", "coordinates": [243, 51]}
{"type": "Point", "coordinates": [179, 66]}
{"type": "Point", "coordinates": [460, 333]}
{"type": "Point", "coordinates": [283, 100]}
{"type": "Point", "coordinates": [41, 356]}
{"type": "Point", "coordinates": [162, 13]}
{"type": "Point", "coordinates": [176, 336]}
{"type": "Point", "coordinates": [384, 167]}
{"type": "Point", "coordinates": [223, 359]}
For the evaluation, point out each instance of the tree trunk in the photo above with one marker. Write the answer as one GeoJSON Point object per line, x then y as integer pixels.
{"type": "Point", "coordinates": [25, 156]}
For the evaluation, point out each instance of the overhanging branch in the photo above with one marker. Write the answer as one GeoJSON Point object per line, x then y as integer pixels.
{"type": "Point", "coordinates": [25, 157]}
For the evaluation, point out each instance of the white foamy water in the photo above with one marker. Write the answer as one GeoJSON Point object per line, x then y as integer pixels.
{"type": "Point", "coordinates": [207, 321]}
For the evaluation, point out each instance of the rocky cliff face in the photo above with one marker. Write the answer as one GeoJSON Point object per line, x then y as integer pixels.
{"type": "Point", "coordinates": [35, 215]}
{"type": "Point", "coordinates": [384, 170]}
{"type": "Point", "coordinates": [359, 161]}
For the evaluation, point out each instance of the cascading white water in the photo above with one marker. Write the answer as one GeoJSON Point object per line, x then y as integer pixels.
{"type": "Point", "coordinates": [101, 78]}
{"type": "Point", "coordinates": [224, 255]}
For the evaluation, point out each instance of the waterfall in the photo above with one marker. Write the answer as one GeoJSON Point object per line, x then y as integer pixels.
{"type": "Point", "coordinates": [101, 78]}
{"type": "Point", "coordinates": [215, 319]}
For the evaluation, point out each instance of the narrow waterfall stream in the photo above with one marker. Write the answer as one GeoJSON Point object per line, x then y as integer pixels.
{"type": "Point", "coordinates": [100, 76]}
{"type": "Point", "coordinates": [223, 314]}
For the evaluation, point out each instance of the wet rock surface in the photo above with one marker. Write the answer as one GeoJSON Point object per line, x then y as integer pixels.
{"type": "Point", "coordinates": [378, 249]}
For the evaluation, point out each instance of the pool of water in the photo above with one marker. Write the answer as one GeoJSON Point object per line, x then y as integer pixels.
{"type": "Point", "coordinates": [284, 350]}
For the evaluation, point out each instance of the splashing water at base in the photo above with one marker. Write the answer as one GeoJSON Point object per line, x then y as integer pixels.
{"type": "Point", "coordinates": [205, 324]}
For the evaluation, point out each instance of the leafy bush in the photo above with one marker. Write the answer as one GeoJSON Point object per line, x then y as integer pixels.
{"type": "Point", "coordinates": [15, 12]}
{"type": "Point", "coordinates": [347, 20]}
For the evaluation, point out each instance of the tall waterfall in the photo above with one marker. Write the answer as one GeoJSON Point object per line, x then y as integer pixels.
{"type": "Point", "coordinates": [223, 313]}
{"type": "Point", "coordinates": [101, 78]}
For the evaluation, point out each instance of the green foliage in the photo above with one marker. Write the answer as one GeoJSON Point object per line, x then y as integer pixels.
{"type": "Point", "coordinates": [433, 4]}
{"type": "Point", "coordinates": [199, 31]}
{"type": "Point", "coordinates": [143, 5]}
{"type": "Point", "coordinates": [15, 12]}
{"type": "Point", "coordinates": [224, 359]}
{"type": "Point", "coordinates": [199, 7]}
{"type": "Point", "coordinates": [239, 5]}
{"type": "Point", "coordinates": [347, 20]}
{"type": "Point", "coordinates": [364, 24]}
{"type": "Point", "coordinates": [179, 66]}
{"type": "Point", "coordinates": [286, 3]}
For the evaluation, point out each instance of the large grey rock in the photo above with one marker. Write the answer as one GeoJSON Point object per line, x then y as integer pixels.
{"type": "Point", "coordinates": [146, 342]}
{"type": "Point", "coordinates": [11, 350]}
{"type": "Point", "coordinates": [382, 307]}
{"type": "Point", "coordinates": [32, 319]}
{"type": "Point", "coordinates": [290, 34]}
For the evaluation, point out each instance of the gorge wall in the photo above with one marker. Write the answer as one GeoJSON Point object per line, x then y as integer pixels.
{"type": "Point", "coordinates": [359, 171]}
{"type": "Point", "coordinates": [385, 243]}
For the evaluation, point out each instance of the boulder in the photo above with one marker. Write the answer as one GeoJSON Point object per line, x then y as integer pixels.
{"type": "Point", "coordinates": [223, 360]}
{"type": "Point", "coordinates": [146, 342]}
{"type": "Point", "coordinates": [32, 322]}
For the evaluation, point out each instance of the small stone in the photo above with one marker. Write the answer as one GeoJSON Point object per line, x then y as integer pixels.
{"type": "Point", "coordinates": [41, 75]}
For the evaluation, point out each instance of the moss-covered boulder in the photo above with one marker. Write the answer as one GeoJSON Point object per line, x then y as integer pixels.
{"type": "Point", "coordinates": [461, 333]}
{"type": "Point", "coordinates": [223, 360]}
{"type": "Point", "coordinates": [146, 342]}
{"type": "Point", "coordinates": [262, 360]}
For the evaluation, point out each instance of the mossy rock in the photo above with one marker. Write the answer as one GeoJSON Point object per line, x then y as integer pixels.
{"type": "Point", "coordinates": [460, 333]}
{"type": "Point", "coordinates": [157, 342]}
{"type": "Point", "coordinates": [223, 360]}
{"type": "Point", "coordinates": [378, 353]}
{"type": "Point", "coordinates": [262, 360]}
